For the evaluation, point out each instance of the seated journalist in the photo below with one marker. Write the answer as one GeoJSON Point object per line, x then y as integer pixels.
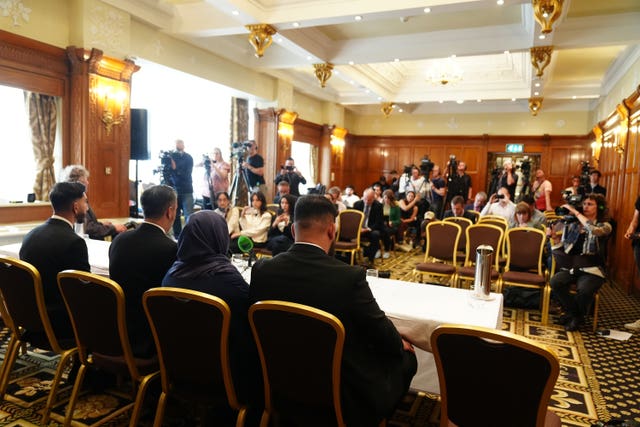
{"type": "Point", "coordinates": [377, 363]}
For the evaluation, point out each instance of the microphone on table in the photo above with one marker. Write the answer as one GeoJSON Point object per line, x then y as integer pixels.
{"type": "Point", "coordinates": [245, 245]}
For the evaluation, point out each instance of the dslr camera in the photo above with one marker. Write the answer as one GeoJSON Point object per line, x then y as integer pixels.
{"type": "Point", "coordinates": [207, 161]}
{"type": "Point", "coordinates": [499, 196]}
{"type": "Point", "coordinates": [287, 168]}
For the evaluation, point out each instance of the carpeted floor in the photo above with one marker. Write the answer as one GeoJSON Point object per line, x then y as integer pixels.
{"type": "Point", "coordinates": [599, 378]}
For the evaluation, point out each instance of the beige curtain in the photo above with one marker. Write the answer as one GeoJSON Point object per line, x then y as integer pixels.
{"type": "Point", "coordinates": [313, 163]}
{"type": "Point", "coordinates": [42, 122]}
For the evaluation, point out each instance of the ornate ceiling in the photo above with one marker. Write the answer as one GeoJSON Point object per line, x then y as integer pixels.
{"type": "Point", "coordinates": [383, 51]}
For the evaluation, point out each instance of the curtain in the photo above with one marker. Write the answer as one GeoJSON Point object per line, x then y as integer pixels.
{"type": "Point", "coordinates": [42, 122]}
{"type": "Point", "coordinates": [313, 163]}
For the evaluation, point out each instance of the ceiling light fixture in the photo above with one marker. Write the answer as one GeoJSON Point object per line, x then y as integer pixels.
{"type": "Point", "coordinates": [427, 10]}
{"type": "Point", "coordinates": [235, 13]}
{"type": "Point", "coordinates": [444, 72]}
{"type": "Point", "coordinates": [358, 18]}
{"type": "Point", "coordinates": [546, 13]}
{"type": "Point", "coordinates": [540, 58]}
{"type": "Point", "coordinates": [500, 2]}
{"type": "Point", "coordinates": [535, 105]}
{"type": "Point", "coordinates": [387, 108]}
{"type": "Point", "coordinates": [260, 37]}
{"type": "Point", "coordinates": [323, 72]}
{"type": "Point", "coordinates": [296, 24]}
{"type": "Point", "coordinates": [351, 62]}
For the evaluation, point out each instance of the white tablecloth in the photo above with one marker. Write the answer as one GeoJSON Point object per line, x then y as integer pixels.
{"type": "Point", "coordinates": [98, 254]}
{"type": "Point", "coordinates": [417, 309]}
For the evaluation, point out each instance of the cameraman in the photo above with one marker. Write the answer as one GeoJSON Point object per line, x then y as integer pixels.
{"type": "Point", "coordinates": [500, 204]}
{"type": "Point", "coordinates": [459, 183]}
{"type": "Point", "coordinates": [438, 189]}
{"type": "Point", "coordinates": [570, 193]}
{"type": "Point", "coordinates": [216, 177]}
{"type": "Point", "coordinates": [508, 178]}
{"type": "Point", "coordinates": [580, 258]}
{"type": "Point", "coordinates": [292, 175]}
{"type": "Point", "coordinates": [254, 165]}
{"type": "Point", "coordinates": [181, 169]}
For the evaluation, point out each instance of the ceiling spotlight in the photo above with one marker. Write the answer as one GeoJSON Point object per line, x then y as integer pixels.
{"type": "Point", "coordinates": [506, 52]}
{"type": "Point", "coordinates": [379, 98]}
{"type": "Point", "coordinates": [542, 37]}
{"type": "Point", "coordinates": [309, 57]}
{"type": "Point", "coordinates": [400, 110]}
{"type": "Point", "coordinates": [235, 13]}
{"type": "Point", "coordinates": [537, 84]}
{"type": "Point", "coordinates": [440, 101]}
{"type": "Point", "coordinates": [460, 101]}
{"type": "Point", "coordinates": [404, 19]}
{"type": "Point", "coordinates": [279, 40]}
{"type": "Point", "coordinates": [574, 97]}
{"type": "Point", "coordinates": [358, 18]}
{"type": "Point", "coordinates": [351, 82]}
{"type": "Point", "coordinates": [396, 59]}
{"type": "Point", "coordinates": [296, 24]}
{"type": "Point", "coordinates": [536, 93]}
{"type": "Point", "coordinates": [427, 10]}
{"type": "Point", "coordinates": [500, 2]}
{"type": "Point", "coordinates": [478, 100]}
{"type": "Point", "coordinates": [513, 99]}
{"type": "Point", "coordinates": [351, 62]}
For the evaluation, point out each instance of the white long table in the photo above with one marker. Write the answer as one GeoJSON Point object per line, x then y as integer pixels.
{"type": "Point", "coordinates": [417, 309]}
{"type": "Point", "coordinates": [98, 254]}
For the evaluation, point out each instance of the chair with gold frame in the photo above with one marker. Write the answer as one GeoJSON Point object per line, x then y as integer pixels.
{"type": "Point", "coordinates": [96, 306]}
{"type": "Point", "coordinates": [462, 243]}
{"type": "Point", "coordinates": [348, 236]}
{"type": "Point", "coordinates": [302, 382]}
{"type": "Point", "coordinates": [440, 257]}
{"type": "Point", "coordinates": [465, 359]}
{"type": "Point", "coordinates": [525, 266]}
{"type": "Point", "coordinates": [24, 312]}
{"type": "Point", "coordinates": [481, 234]}
{"type": "Point", "coordinates": [179, 318]}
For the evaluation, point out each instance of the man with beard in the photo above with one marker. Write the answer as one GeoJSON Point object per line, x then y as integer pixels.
{"type": "Point", "coordinates": [377, 363]}
{"type": "Point", "coordinates": [54, 246]}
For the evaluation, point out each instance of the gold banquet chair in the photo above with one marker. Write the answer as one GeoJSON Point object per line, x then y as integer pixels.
{"type": "Point", "coordinates": [348, 236]}
{"type": "Point", "coordinates": [440, 256]}
{"type": "Point", "coordinates": [96, 306]}
{"type": "Point", "coordinates": [178, 319]}
{"type": "Point", "coordinates": [481, 234]}
{"type": "Point", "coordinates": [525, 267]}
{"type": "Point", "coordinates": [462, 243]}
{"type": "Point", "coordinates": [24, 312]}
{"type": "Point", "coordinates": [301, 382]}
{"type": "Point", "coordinates": [475, 393]}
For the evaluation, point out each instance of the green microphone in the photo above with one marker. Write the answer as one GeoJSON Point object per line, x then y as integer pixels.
{"type": "Point", "coordinates": [245, 245]}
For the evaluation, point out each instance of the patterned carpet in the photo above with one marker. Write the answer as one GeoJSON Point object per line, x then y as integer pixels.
{"type": "Point", "coordinates": [599, 377]}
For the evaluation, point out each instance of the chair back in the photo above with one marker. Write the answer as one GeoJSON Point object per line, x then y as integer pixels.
{"type": "Point", "coordinates": [476, 364]}
{"type": "Point", "coordinates": [180, 319]}
{"type": "Point", "coordinates": [350, 225]}
{"type": "Point", "coordinates": [463, 223]}
{"type": "Point", "coordinates": [442, 240]}
{"type": "Point", "coordinates": [493, 218]}
{"type": "Point", "coordinates": [502, 223]}
{"type": "Point", "coordinates": [525, 246]}
{"type": "Point", "coordinates": [23, 306]}
{"type": "Point", "coordinates": [96, 306]}
{"type": "Point", "coordinates": [483, 234]}
{"type": "Point", "coordinates": [302, 382]}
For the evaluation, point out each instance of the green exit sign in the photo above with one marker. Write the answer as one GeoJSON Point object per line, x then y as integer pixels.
{"type": "Point", "coordinates": [515, 148]}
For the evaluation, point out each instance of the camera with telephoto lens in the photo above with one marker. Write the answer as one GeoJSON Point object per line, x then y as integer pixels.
{"type": "Point", "coordinates": [426, 166]}
{"type": "Point", "coordinates": [407, 170]}
{"type": "Point", "coordinates": [207, 162]}
{"type": "Point", "coordinates": [287, 168]}
{"type": "Point", "coordinates": [239, 148]}
{"type": "Point", "coordinates": [165, 167]}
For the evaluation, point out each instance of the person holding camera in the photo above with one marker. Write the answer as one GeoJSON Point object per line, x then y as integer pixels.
{"type": "Point", "coordinates": [500, 204]}
{"type": "Point", "coordinates": [438, 189]}
{"type": "Point", "coordinates": [633, 234]}
{"type": "Point", "coordinates": [459, 183]}
{"type": "Point", "coordinates": [580, 258]}
{"type": "Point", "coordinates": [254, 166]}
{"type": "Point", "coordinates": [291, 174]}
{"type": "Point", "coordinates": [508, 178]}
{"type": "Point", "coordinates": [216, 177]}
{"type": "Point", "coordinates": [541, 189]}
{"type": "Point", "coordinates": [181, 170]}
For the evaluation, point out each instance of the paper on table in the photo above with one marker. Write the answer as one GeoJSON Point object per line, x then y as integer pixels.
{"type": "Point", "coordinates": [618, 335]}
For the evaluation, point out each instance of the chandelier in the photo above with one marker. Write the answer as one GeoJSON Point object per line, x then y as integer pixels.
{"type": "Point", "coordinates": [445, 71]}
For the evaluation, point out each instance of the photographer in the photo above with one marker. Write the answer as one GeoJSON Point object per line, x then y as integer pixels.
{"type": "Point", "coordinates": [254, 166]}
{"type": "Point", "coordinates": [570, 193]}
{"type": "Point", "coordinates": [181, 169]}
{"type": "Point", "coordinates": [216, 177]}
{"type": "Point", "coordinates": [542, 191]}
{"type": "Point", "coordinates": [292, 175]}
{"type": "Point", "coordinates": [579, 257]}
{"type": "Point", "coordinates": [438, 189]}
{"type": "Point", "coordinates": [508, 178]}
{"type": "Point", "coordinates": [458, 182]}
{"type": "Point", "coordinates": [500, 204]}
{"type": "Point", "coordinates": [633, 234]}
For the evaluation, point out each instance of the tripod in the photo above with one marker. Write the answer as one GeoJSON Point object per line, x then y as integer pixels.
{"type": "Point", "coordinates": [236, 190]}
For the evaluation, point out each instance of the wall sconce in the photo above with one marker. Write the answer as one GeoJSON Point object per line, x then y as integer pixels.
{"type": "Point", "coordinates": [113, 102]}
{"type": "Point", "coordinates": [286, 119]}
{"type": "Point", "coordinates": [323, 72]}
{"type": "Point", "coordinates": [285, 130]}
{"type": "Point", "coordinates": [540, 58]}
{"type": "Point", "coordinates": [337, 140]}
{"type": "Point", "coordinates": [535, 105]}
{"type": "Point", "coordinates": [387, 108]}
{"type": "Point", "coordinates": [596, 147]}
{"type": "Point", "coordinates": [546, 13]}
{"type": "Point", "coordinates": [260, 37]}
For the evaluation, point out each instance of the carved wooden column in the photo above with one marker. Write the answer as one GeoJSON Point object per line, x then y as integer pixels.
{"type": "Point", "coordinates": [100, 127]}
{"type": "Point", "coordinates": [266, 134]}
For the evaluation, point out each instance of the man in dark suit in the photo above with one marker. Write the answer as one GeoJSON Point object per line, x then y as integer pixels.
{"type": "Point", "coordinates": [457, 209]}
{"type": "Point", "coordinates": [377, 363]}
{"type": "Point", "coordinates": [594, 185]}
{"type": "Point", "coordinates": [139, 259]}
{"type": "Point", "coordinates": [54, 246]}
{"type": "Point", "coordinates": [373, 224]}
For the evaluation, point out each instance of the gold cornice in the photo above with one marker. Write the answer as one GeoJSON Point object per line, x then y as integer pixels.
{"type": "Point", "coordinates": [540, 58]}
{"type": "Point", "coordinates": [260, 37]}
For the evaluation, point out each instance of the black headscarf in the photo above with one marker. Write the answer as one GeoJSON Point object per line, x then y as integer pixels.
{"type": "Point", "coordinates": [203, 247]}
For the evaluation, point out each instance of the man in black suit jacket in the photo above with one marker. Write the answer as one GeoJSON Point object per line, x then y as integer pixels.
{"type": "Point", "coordinates": [377, 363]}
{"type": "Point", "coordinates": [457, 210]}
{"type": "Point", "coordinates": [139, 259]}
{"type": "Point", "coordinates": [594, 185]}
{"type": "Point", "coordinates": [54, 246]}
{"type": "Point", "coordinates": [373, 225]}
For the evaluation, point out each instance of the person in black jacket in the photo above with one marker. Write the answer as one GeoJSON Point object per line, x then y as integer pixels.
{"type": "Point", "coordinates": [377, 363]}
{"type": "Point", "coordinates": [373, 224]}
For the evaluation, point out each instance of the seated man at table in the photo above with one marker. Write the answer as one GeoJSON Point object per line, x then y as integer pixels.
{"type": "Point", "coordinates": [139, 259]}
{"type": "Point", "coordinates": [377, 363]}
{"type": "Point", "coordinates": [372, 225]}
{"type": "Point", "coordinates": [457, 210]}
{"type": "Point", "coordinates": [54, 246]}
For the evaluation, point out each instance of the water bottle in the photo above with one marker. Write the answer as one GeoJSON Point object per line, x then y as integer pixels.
{"type": "Point", "coordinates": [482, 282]}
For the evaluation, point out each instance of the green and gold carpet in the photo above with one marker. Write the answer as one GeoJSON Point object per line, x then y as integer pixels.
{"type": "Point", "coordinates": [599, 377]}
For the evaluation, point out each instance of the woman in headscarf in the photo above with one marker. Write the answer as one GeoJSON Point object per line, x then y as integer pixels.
{"type": "Point", "coordinates": [202, 265]}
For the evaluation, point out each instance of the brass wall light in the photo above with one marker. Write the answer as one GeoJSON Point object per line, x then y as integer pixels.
{"type": "Point", "coordinates": [546, 13]}
{"type": "Point", "coordinates": [323, 72]}
{"type": "Point", "coordinates": [112, 99]}
{"type": "Point", "coordinates": [540, 58]}
{"type": "Point", "coordinates": [260, 37]}
{"type": "Point", "coordinates": [387, 108]}
{"type": "Point", "coordinates": [535, 105]}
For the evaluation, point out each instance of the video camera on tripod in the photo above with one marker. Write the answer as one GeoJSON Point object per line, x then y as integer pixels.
{"type": "Point", "coordinates": [239, 149]}
{"type": "Point", "coordinates": [165, 168]}
{"type": "Point", "coordinates": [207, 162]}
{"type": "Point", "coordinates": [426, 166]}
